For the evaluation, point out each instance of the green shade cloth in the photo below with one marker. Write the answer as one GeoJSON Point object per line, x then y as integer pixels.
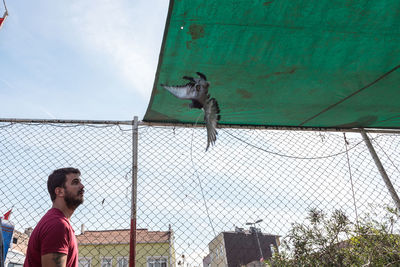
{"type": "Point", "coordinates": [325, 63]}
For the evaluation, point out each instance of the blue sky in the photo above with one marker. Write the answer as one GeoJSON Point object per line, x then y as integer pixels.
{"type": "Point", "coordinates": [83, 59]}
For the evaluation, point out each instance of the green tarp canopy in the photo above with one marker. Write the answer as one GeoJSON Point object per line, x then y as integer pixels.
{"type": "Point", "coordinates": [302, 63]}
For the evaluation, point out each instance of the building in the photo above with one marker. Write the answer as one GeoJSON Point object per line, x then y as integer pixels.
{"type": "Point", "coordinates": [14, 258]}
{"type": "Point", "coordinates": [111, 248]}
{"type": "Point", "coordinates": [19, 244]}
{"type": "Point", "coordinates": [20, 240]}
{"type": "Point", "coordinates": [241, 248]}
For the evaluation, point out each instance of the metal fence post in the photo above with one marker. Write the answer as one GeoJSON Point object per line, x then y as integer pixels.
{"type": "Point", "coordinates": [132, 250]}
{"type": "Point", "coordinates": [382, 171]}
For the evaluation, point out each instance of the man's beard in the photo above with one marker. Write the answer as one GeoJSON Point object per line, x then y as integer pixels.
{"type": "Point", "coordinates": [73, 201]}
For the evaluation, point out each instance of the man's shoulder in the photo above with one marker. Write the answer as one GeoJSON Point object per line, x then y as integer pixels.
{"type": "Point", "coordinates": [53, 219]}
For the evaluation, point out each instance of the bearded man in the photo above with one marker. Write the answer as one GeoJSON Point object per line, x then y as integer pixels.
{"type": "Point", "coordinates": [53, 242]}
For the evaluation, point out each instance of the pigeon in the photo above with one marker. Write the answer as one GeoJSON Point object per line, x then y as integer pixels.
{"type": "Point", "coordinates": [196, 90]}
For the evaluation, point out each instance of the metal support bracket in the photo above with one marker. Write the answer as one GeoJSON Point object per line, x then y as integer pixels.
{"type": "Point", "coordinates": [381, 169]}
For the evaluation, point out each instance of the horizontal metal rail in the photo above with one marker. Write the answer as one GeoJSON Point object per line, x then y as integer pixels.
{"type": "Point", "coordinates": [67, 121]}
{"type": "Point", "coordinates": [279, 128]}
{"type": "Point", "coordinates": [191, 125]}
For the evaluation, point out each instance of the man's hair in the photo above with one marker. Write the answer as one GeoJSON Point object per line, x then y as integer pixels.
{"type": "Point", "coordinates": [57, 179]}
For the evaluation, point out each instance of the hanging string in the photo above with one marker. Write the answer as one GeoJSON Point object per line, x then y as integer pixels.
{"type": "Point", "coordinates": [351, 178]}
{"type": "Point", "coordinates": [198, 177]}
{"type": "Point", "coordinates": [289, 156]}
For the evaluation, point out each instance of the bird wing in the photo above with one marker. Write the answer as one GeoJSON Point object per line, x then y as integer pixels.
{"type": "Point", "coordinates": [201, 75]}
{"type": "Point", "coordinates": [187, 91]}
{"type": "Point", "coordinates": [211, 117]}
{"type": "Point", "coordinates": [189, 78]}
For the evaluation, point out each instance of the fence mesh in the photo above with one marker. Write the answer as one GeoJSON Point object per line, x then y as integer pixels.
{"type": "Point", "coordinates": [193, 207]}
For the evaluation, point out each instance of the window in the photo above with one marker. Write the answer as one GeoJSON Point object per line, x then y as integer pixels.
{"type": "Point", "coordinates": [85, 262]}
{"type": "Point", "coordinates": [122, 262]}
{"type": "Point", "coordinates": [106, 262]}
{"type": "Point", "coordinates": [157, 262]}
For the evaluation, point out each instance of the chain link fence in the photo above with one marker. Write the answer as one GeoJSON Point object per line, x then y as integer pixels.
{"type": "Point", "coordinates": [229, 206]}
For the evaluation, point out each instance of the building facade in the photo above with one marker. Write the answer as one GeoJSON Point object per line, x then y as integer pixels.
{"type": "Point", "coordinates": [110, 248]}
{"type": "Point", "coordinates": [241, 248]}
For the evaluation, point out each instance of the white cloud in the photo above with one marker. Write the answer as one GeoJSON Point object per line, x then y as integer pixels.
{"type": "Point", "coordinates": [7, 84]}
{"type": "Point", "coordinates": [127, 33]}
{"type": "Point", "coordinates": [48, 113]}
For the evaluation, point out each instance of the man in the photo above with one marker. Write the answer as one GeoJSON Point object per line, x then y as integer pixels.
{"type": "Point", "coordinates": [53, 241]}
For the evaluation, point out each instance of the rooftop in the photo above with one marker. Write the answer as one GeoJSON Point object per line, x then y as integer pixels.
{"type": "Point", "coordinates": [122, 237]}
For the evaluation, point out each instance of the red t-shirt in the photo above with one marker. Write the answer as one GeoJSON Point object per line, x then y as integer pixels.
{"type": "Point", "coordinates": [53, 234]}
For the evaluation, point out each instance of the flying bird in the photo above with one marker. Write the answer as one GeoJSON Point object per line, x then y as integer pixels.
{"type": "Point", "coordinates": [196, 90]}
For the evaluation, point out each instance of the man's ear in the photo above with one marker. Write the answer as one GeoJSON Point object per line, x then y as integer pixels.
{"type": "Point", "coordinates": [59, 191]}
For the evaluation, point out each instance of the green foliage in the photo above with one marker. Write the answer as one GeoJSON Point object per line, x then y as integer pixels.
{"type": "Point", "coordinates": [336, 241]}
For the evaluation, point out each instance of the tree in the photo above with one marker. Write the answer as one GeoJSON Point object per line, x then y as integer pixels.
{"type": "Point", "coordinates": [336, 241]}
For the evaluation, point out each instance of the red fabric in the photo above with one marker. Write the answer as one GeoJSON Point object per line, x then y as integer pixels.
{"type": "Point", "coordinates": [3, 18]}
{"type": "Point", "coordinates": [53, 234]}
{"type": "Point", "coordinates": [7, 214]}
